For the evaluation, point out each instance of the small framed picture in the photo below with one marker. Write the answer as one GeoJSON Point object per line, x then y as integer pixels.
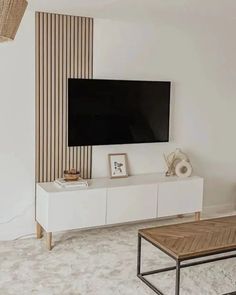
{"type": "Point", "coordinates": [118, 165]}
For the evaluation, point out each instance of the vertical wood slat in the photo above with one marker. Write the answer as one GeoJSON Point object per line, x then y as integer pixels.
{"type": "Point", "coordinates": [37, 97]}
{"type": "Point", "coordinates": [40, 115]}
{"type": "Point", "coordinates": [60, 95]}
{"type": "Point", "coordinates": [56, 84]}
{"type": "Point", "coordinates": [75, 71]}
{"type": "Point", "coordinates": [53, 96]}
{"type": "Point", "coordinates": [64, 49]}
{"type": "Point", "coordinates": [45, 86]}
{"type": "Point", "coordinates": [49, 97]}
{"type": "Point", "coordinates": [68, 66]}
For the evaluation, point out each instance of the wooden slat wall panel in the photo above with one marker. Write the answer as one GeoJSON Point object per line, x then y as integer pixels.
{"type": "Point", "coordinates": [64, 49]}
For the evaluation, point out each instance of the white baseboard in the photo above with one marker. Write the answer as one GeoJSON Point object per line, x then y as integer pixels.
{"type": "Point", "coordinates": [220, 209]}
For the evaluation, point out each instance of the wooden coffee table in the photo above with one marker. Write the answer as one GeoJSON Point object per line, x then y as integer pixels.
{"type": "Point", "coordinates": [188, 241]}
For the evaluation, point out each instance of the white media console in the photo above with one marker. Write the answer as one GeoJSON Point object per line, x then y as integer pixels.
{"type": "Point", "coordinates": [114, 201]}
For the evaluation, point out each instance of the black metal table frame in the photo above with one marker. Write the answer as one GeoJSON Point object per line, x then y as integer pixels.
{"type": "Point", "coordinates": [177, 267]}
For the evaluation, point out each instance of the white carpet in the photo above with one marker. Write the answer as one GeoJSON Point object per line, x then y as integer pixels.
{"type": "Point", "coordinates": [102, 262]}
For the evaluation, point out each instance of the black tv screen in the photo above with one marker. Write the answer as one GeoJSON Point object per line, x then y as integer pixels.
{"type": "Point", "coordinates": [102, 112]}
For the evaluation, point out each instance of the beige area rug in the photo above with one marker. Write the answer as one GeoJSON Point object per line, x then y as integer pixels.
{"type": "Point", "coordinates": [102, 262]}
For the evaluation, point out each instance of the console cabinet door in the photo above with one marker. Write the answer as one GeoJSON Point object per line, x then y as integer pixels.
{"type": "Point", "coordinates": [131, 203]}
{"type": "Point", "coordinates": [77, 209]}
{"type": "Point", "coordinates": [180, 197]}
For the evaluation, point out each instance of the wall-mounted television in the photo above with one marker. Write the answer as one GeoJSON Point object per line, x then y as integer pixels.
{"type": "Point", "coordinates": [106, 112]}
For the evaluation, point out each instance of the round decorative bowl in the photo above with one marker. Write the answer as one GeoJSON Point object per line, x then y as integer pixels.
{"type": "Point", "coordinates": [71, 175]}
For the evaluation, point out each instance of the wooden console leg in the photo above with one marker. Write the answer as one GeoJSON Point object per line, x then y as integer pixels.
{"type": "Point", "coordinates": [197, 216]}
{"type": "Point", "coordinates": [49, 241]}
{"type": "Point", "coordinates": [39, 231]}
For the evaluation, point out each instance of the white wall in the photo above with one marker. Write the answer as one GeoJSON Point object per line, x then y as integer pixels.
{"type": "Point", "coordinates": [199, 57]}
{"type": "Point", "coordinates": [17, 132]}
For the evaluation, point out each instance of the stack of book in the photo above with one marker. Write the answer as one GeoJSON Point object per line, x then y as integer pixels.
{"type": "Point", "coordinates": [66, 184]}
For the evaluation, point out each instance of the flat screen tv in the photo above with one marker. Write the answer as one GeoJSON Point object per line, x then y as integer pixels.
{"type": "Point", "coordinates": [104, 112]}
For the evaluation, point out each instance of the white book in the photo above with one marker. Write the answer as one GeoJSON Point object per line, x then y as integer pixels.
{"type": "Point", "coordinates": [79, 183]}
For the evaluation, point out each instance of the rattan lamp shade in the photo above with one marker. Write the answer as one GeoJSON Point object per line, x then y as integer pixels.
{"type": "Point", "coordinates": [11, 13]}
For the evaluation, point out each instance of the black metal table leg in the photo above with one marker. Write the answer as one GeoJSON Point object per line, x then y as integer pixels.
{"type": "Point", "coordinates": [139, 255]}
{"type": "Point", "coordinates": [177, 284]}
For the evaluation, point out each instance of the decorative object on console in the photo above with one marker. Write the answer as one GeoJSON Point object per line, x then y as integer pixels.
{"type": "Point", "coordinates": [71, 175]}
{"type": "Point", "coordinates": [183, 169]}
{"type": "Point", "coordinates": [11, 13]}
{"type": "Point", "coordinates": [178, 164]}
{"type": "Point", "coordinates": [118, 165]}
{"type": "Point", "coordinates": [66, 184]}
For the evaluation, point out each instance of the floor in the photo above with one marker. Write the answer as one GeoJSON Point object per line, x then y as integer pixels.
{"type": "Point", "coordinates": [102, 262]}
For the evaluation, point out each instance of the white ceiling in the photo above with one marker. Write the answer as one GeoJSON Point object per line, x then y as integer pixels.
{"type": "Point", "coordinates": [138, 9]}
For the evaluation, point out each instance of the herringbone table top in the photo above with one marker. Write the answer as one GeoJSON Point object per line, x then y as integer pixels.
{"type": "Point", "coordinates": [194, 239]}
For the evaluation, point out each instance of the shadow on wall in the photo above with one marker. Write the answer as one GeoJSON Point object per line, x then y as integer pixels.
{"type": "Point", "coordinates": [219, 188]}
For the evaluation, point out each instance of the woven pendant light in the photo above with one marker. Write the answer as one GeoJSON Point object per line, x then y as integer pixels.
{"type": "Point", "coordinates": [11, 13]}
